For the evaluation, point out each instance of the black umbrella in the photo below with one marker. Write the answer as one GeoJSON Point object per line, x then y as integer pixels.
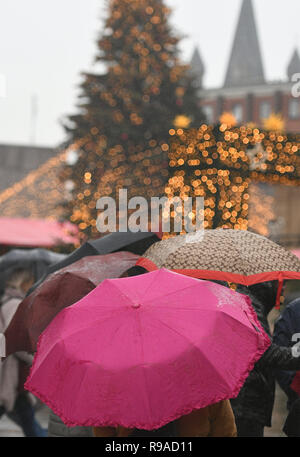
{"type": "Point", "coordinates": [136, 243]}
{"type": "Point", "coordinates": [37, 260]}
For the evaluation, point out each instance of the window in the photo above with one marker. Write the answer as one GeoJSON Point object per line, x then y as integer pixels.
{"type": "Point", "coordinates": [265, 110]}
{"type": "Point", "coordinates": [208, 112]}
{"type": "Point", "coordinates": [294, 109]}
{"type": "Point", "coordinates": [238, 112]}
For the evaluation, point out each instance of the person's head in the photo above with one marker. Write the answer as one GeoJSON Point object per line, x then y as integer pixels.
{"type": "Point", "coordinates": [134, 271]}
{"type": "Point", "coordinates": [21, 280]}
{"type": "Point", "coordinates": [141, 246]}
{"type": "Point", "coordinates": [263, 294]}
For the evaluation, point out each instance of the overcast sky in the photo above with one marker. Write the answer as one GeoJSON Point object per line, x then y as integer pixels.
{"type": "Point", "coordinates": [45, 44]}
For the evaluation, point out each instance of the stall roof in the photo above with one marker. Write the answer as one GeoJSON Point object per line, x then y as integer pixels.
{"type": "Point", "coordinates": [36, 232]}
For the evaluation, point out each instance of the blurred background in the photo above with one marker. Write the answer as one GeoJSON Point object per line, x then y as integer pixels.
{"type": "Point", "coordinates": [197, 98]}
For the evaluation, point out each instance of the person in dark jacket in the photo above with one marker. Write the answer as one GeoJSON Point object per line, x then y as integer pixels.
{"type": "Point", "coordinates": [254, 405]}
{"type": "Point", "coordinates": [286, 327]}
{"type": "Point", "coordinates": [286, 333]}
{"type": "Point", "coordinates": [292, 424]}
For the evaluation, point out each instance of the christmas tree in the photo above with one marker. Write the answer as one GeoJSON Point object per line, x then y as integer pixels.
{"type": "Point", "coordinates": [125, 113]}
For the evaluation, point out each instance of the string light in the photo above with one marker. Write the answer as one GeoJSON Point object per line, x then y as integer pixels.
{"type": "Point", "coordinates": [223, 164]}
{"type": "Point", "coordinates": [126, 111]}
{"type": "Point", "coordinates": [209, 162]}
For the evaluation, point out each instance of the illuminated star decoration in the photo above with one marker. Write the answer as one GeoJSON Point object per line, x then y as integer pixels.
{"type": "Point", "coordinates": [274, 123]}
{"type": "Point", "coordinates": [182, 121]}
{"type": "Point", "coordinates": [228, 119]}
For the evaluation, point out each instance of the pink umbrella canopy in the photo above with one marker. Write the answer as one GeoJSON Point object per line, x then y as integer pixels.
{"type": "Point", "coordinates": [143, 351]}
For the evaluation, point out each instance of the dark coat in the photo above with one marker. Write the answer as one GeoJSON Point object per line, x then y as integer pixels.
{"type": "Point", "coordinates": [287, 325]}
{"type": "Point", "coordinates": [292, 424]}
{"type": "Point", "coordinates": [256, 398]}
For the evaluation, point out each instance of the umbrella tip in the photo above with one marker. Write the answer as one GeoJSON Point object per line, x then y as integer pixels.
{"type": "Point", "coordinates": [136, 305]}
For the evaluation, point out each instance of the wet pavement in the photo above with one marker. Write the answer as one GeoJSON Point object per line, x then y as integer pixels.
{"type": "Point", "coordinates": [10, 429]}
{"type": "Point", "coordinates": [279, 415]}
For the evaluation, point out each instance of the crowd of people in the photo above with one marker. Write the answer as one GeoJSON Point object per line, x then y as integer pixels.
{"type": "Point", "coordinates": [15, 402]}
{"type": "Point", "coordinates": [247, 415]}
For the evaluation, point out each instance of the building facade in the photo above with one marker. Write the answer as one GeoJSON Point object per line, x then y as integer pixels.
{"type": "Point", "coordinates": [17, 161]}
{"type": "Point", "coordinates": [246, 93]}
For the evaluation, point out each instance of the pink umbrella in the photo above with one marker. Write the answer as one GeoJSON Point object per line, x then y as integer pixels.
{"type": "Point", "coordinates": [142, 351]}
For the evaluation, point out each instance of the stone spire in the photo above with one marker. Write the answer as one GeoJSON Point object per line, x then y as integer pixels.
{"type": "Point", "coordinates": [294, 65]}
{"type": "Point", "coordinates": [197, 68]}
{"type": "Point", "coordinates": [245, 65]}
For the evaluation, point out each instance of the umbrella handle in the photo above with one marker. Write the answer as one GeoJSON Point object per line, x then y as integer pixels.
{"type": "Point", "coordinates": [279, 290]}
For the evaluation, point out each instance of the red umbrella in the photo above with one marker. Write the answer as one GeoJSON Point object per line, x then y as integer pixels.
{"type": "Point", "coordinates": [60, 290]}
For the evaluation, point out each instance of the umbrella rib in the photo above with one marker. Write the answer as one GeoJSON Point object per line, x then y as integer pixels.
{"type": "Point", "coordinates": [87, 326]}
{"type": "Point", "coordinates": [227, 315]}
{"type": "Point", "coordinates": [193, 344]}
{"type": "Point", "coordinates": [150, 285]}
{"type": "Point", "coordinates": [124, 294]}
{"type": "Point", "coordinates": [143, 364]}
{"type": "Point", "coordinates": [120, 290]}
{"type": "Point", "coordinates": [174, 292]}
{"type": "Point", "coordinates": [189, 341]}
{"type": "Point", "coordinates": [65, 339]}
